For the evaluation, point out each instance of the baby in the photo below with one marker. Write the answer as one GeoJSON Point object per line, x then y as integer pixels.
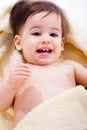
{"type": "Point", "coordinates": [39, 30]}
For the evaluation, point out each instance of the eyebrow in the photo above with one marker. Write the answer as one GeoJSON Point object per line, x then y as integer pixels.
{"type": "Point", "coordinates": [53, 28]}
{"type": "Point", "coordinates": [57, 29]}
{"type": "Point", "coordinates": [34, 27]}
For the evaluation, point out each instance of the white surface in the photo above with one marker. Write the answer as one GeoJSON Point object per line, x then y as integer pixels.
{"type": "Point", "coordinates": [76, 10]}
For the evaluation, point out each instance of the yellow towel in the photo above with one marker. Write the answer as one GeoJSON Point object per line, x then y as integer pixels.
{"type": "Point", "coordinates": [7, 120]}
{"type": "Point", "coordinates": [76, 43]}
{"type": "Point", "coordinates": [67, 111]}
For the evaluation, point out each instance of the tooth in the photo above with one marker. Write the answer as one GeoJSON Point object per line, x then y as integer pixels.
{"type": "Point", "coordinates": [44, 49]}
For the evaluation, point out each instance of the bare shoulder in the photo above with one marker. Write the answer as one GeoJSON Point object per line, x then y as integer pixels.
{"type": "Point", "coordinates": [76, 65]}
{"type": "Point", "coordinates": [80, 72]}
{"type": "Point", "coordinates": [70, 62]}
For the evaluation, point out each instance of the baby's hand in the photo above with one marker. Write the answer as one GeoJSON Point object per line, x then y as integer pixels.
{"type": "Point", "coordinates": [17, 74]}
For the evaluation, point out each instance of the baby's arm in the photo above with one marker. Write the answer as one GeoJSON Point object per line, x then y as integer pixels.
{"type": "Point", "coordinates": [14, 77]}
{"type": "Point", "coordinates": [80, 74]}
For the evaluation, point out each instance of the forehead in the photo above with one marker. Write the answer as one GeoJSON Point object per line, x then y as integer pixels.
{"type": "Point", "coordinates": [44, 17]}
{"type": "Point", "coordinates": [42, 20]}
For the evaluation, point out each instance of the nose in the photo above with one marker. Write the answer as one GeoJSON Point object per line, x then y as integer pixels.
{"type": "Point", "coordinates": [46, 39]}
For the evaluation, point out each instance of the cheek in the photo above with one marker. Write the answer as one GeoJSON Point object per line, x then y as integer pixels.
{"type": "Point", "coordinates": [57, 44]}
{"type": "Point", "coordinates": [58, 48]}
{"type": "Point", "coordinates": [28, 48]}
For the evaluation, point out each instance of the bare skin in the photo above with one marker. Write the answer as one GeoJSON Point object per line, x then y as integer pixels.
{"type": "Point", "coordinates": [43, 77]}
{"type": "Point", "coordinates": [34, 84]}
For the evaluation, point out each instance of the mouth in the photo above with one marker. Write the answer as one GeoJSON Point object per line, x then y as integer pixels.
{"type": "Point", "coordinates": [44, 51]}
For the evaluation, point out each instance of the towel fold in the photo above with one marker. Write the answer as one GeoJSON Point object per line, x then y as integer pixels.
{"type": "Point", "coordinates": [67, 111]}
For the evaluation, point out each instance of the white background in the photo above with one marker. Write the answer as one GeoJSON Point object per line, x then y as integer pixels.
{"type": "Point", "coordinates": [76, 10]}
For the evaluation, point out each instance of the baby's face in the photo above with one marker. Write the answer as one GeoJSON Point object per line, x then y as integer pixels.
{"type": "Point", "coordinates": [41, 39]}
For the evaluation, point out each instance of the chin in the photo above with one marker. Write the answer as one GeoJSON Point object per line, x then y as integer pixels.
{"type": "Point", "coordinates": [44, 63]}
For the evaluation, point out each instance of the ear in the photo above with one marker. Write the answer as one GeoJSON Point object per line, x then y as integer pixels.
{"type": "Point", "coordinates": [17, 42]}
{"type": "Point", "coordinates": [62, 43]}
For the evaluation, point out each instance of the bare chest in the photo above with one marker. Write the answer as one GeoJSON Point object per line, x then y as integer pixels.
{"type": "Point", "coordinates": [42, 85]}
{"type": "Point", "coordinates": [54, 80]}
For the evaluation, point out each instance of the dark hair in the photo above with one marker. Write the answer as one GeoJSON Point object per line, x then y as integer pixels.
{"type": "Point", "coordinates": [25, 8]}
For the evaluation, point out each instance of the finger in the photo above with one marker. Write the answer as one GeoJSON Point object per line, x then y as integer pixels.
{"type": "Point", "coordinates": [22, 69]}
{"type": "Point", "coordinates": [22, 73]}
{"type": "Point", "coordinates": [20, 65]}
{"type": "Point", "coordinates": [22, 77]}
{"type": "Point", "coordinates": [23, 65]}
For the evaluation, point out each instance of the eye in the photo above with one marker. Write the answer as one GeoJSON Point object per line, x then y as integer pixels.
{"type": "Point", "coordinates": [54, 35]}
{"type": "Point", "coordinates": [36, 34]}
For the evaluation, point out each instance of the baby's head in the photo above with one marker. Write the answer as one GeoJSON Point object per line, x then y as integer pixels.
{"type": "Point", "coordinates": [25, 8]}
{"type": "Point", "coordinates": [39, 29]}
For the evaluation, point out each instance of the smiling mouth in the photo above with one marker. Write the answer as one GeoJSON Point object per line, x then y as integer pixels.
{"type": "Point", "coordinates": [45, 50]}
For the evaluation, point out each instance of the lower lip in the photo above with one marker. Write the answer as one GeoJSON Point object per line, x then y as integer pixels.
{"type": "Point", "coordinates": [44, 54]}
